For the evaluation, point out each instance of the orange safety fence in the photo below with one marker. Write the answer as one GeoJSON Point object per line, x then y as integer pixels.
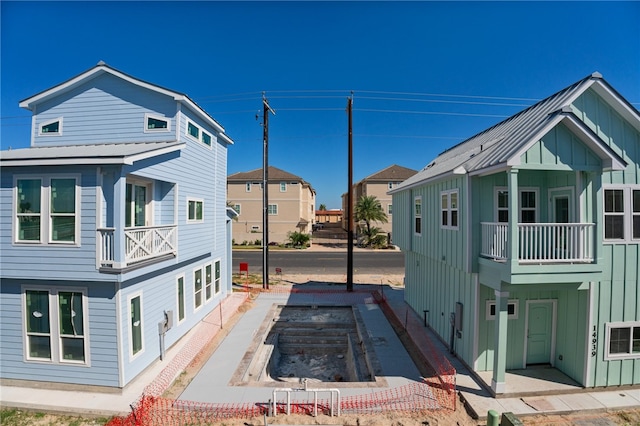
{"type": "Point", "coordinates": [436, 392]}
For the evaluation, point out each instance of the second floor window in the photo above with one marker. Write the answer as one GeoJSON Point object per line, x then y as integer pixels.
{"type": "Point", "coordinates": [195, 208]}
{"type": "Point", "coordinates": [528, 205]}
{"type": "Point", "coordinates": [272, 209]}
{"type": "Point", "coordinates": [51, 128]}
{"type": "Point", "coordinates": [283, 186]}
{"type": "Point", "coordinates": [622, 214]}
{"type": "Point", "coordinates": [247, 187]}
{"type": "Point", "coordinates": [137, 205]}
{"type": "Point", "coordinates": [156, 124]}
{"type": "Point", "coordinates": [46, 210]}
{"type": "Point", "coordinates": [193, 131]}
{"type": "Point", "coordinates": [449, 209]}
{"type": "Point", "coordinates": [417, 215]}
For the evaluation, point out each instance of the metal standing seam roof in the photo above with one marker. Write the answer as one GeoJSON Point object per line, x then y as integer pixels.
{"type": "Point", "coordinates": [495, 146]}
{"type": "Point", "coordinates": [118, 153]}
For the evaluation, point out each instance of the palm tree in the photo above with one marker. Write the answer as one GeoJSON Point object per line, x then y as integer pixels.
{"type": "Point", "coordinates": [322, 207]}
{"type": "Point", "coordinates": [369, 209]}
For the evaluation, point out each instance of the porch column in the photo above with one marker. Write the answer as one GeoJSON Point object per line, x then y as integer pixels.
{"type": "Point", "coordinates": [597, 195]}
{"type": "Point", "coordinates": [500, 342]}
{"type": "Point", "coordinates": [119, 201]}
{"type": "Point", "coordinates": [512, 176]}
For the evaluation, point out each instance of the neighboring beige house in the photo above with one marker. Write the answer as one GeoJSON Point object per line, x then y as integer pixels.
{"type": "Point", "coordinates": [378, 184]}
{"type": "Point", "coordinates": [291, 205]}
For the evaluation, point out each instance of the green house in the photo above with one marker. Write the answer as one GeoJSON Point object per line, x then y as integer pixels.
{"type": "Point", "coordinates": [522, 243]}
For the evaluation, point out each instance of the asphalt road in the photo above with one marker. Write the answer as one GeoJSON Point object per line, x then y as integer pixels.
{"type": "Point", "coordinates": [322, 262]}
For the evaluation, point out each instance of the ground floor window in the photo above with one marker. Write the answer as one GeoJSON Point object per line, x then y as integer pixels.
{"type": "Point", "coordinates": [135, 322]}
{"type": "Point", "coordinates": [217, 281]}
{"type": "Point", "coordinates": [623, 340]}
{"type": "Point", "coordinates": [55, 324]}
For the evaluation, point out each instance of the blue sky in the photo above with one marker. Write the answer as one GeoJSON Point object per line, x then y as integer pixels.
{"type": "Point", "coordinates": [424, 75]}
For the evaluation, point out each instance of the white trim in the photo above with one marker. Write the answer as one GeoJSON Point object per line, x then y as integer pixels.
{"type": "Point", "coordinates": [620, 324]}
{"type": "Point", "coordinates": [45, 211]}
{"type": "Point", "coordinates": [492, 302]}
{"type": "Point", "coordinates": [285, 186]}
{"type": "Point", "coordinates": [99, 218]}
{"type": "Point", "coordinates": [130, 297]}
{"type": "Point", "coordinates": [158, 117]}
{"type": "Point", "coordinates": [554, 314]}
{"type": "Point", "coordinates": [573, 217]}
{"type": "Point", "coordinates": [448, 193]}
{"type": "Point", "coordinates": [189, 135]}
{"type": "Point", "coordinates": [415, 216]}
{"type": "Point", "coordinates": [476, 323]}
{"type": "Point", "coordinates": [119, 334]}
{"type": "Point", "coordinates": [536, 190]}
{"type": "Point", "coordinates": [204, 278]}
{"type": "Point", "coordinates": [46, 123]}
{"type": "Point", "coordinates": [184, 298]}
{"type": "Point", "coordinates": [627, 213]}
{"type": "Point", "coordinates": [196, 308]}
{"type": "Point", "coordinates": [268, 210]}
{"type": "Point", "coordinates": [55, 337]}
{"type": "Point", "coordinates": [210, 144]}
{"type": "Point", "coordinates": [216, 293]}
{"type": "Point", "coordinates": [195, 219]}
{"type": "Point", "coordinates": [586, 376]}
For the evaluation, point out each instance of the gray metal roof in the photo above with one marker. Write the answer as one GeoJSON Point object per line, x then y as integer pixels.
{"type": "Point", "coordinates": [500, 146]}
{"type": "Point", "coordinates": [120, 153]}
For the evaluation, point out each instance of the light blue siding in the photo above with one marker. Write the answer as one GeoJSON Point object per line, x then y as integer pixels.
{"type": "Point", "coordinates": [104, 110]}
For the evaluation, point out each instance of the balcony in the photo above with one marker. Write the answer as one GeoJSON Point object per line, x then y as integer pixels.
{"type": "Point", "coordinates": [140, 244]}
{"type": "Point", "coordinates": [539, 243]}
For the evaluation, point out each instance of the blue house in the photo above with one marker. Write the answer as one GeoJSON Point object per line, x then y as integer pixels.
{"type": "Point", "coordinates": [522, 243]}
{"type": "Point", "coordinates": [114, 232]}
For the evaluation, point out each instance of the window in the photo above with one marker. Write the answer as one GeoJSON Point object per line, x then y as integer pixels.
{"type": "Point", "coordinates": [217, 281]}
{"type": "Point", "coordinates": [197, 289]}
{"type": "Point", "coordinates": [283, 186]}
{"type": "Point", "coordinates": [390, 185]}
{"type": "Point", "coordinates": [208, 279]}
{"type": "Point", "coordinates": [137, 203]}
{"type": "Point", "coordinates": [449, 209]}
{"type": "Point", "coordinates": [389, 209]}
{"type": "Point", "coordinates": [622, 214]}
{"type": "Point", "coordinates": [65, 343]}
{"type": "Point", "coordinates": [51, 128]}
{"type": "Point", "coordinates": [622, 340]}
{"type": "Point", "coordinates": [135, 325]}
{"type": "Point", "coordinates": [206, 138]}
{"type": "Point", "coordinates": [512, 309]}
{"type": "Point", "coordinates": [272, 210]}
{"type": "Point", "coordinates": [155, 123]}
{"type": "Point", "coordinates": [417, 215]}
{"type": "Point", "coordinates": [247, 187]}
{"type": "Point", "coordinates": [46, 210]}
{"type": "Point", "coordinates": [528, 205]}
{"type": "Point", "coordinates": [180, 297]}
{"type": "Point", "coordinates": [193, 130]}
{"type": "Point", "coordinates": [236, 207]}
{"type": "Point", "coordinates": [194, 210]}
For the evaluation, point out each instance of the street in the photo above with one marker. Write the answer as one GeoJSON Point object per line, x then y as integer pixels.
{"type": "Point", "coordinates": [322, 262]}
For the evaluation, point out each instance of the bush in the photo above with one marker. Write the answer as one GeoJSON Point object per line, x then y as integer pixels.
{"type": "Point", "coordinates": [298, 239]}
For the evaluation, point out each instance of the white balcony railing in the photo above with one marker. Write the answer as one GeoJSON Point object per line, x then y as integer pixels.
{"type": "Point", "coordinates": [541, 242]}
{"type": "Point", "coordinates": [140, 243]}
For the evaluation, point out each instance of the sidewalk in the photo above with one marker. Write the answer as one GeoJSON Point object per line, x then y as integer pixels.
{"type": "Point", "coordinates": [476, 398]}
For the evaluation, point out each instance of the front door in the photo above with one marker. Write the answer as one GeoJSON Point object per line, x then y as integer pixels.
{"type": "Point", "coordinates": [540, 326]}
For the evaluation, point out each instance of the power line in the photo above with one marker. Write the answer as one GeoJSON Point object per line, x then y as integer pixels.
{"type": "Point", "coordinates": [431, 113]}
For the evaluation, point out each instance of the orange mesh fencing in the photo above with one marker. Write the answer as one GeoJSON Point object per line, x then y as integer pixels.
{"type": "Point", "coordinates": [436, 392]}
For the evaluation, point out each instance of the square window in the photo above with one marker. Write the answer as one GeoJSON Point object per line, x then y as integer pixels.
{"type": "Point", "coordinates": [272, 210]}
{"type": "Point", "coordinates": [206, 138]}
{"type": "Point", "coordinates": [195, 213]}
{"type": "Point", "coordinates": [193, 130]}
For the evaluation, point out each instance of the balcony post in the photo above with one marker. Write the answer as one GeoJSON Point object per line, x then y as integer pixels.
{"type": "Point", "coordinates": [119, 201]}
{"type": "Point", "coordinates": [498, 382]}
{"type": "Point", "coordinates": [514, 241]}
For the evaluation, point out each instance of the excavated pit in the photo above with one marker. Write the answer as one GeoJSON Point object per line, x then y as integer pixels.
{"type": "Point", "coordinates": [320, 345]}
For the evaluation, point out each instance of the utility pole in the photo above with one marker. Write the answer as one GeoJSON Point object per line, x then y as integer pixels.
{"type": "Point", "coordinates": [350, 199]}
{"type": "Point", "coordinates": [265, 191]}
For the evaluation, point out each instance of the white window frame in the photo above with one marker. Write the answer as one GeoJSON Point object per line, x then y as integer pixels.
{"type": "Point", "coordinates": [148, 201]}
{"type": "Point", "coordinates": [417, 201]}
{"type": "Point", "coordinates": [197, 307]}
{"type": "Point", "coordinates": [184, 298]}
{"type": "Point", "coordinates": [448, 210]}
{"type": "Point", "coordinates": [390, 209]}
{"type": "Point", "coordinates": [46, 123]}
{"type": "Point", "coordinates": [130, 297]}
{"type": "Point", "coordinates": [148, 116]}
{"type": "Point", "coordinates": [55, 337]}
{"type": "Point", "coordinates": [196, 201]}
{"type": "Point", "coordinates": [208, 282]}
{"type": "Point", "coordinates": [620, 324]}
{"type": "Point", "coordinates": [247, 187]}
{"type": "Point", "coordinates": [217, 279]}
{"type": "Point", "coordinates": [498, 189]}
{"type": "Point", "coordinates": [189, 135]}
{"type": "Point", "coordinates": [46, 225]}
{"type": "Point", "coordinates": [627, 214]}
{"type": "Point", "coordinates": [283, 186]}
{"type": "Point", "coordinates": [202, 133]}
{"type": "Point", "coordinates": [270, 211]}
{"type": "Point", "coordinates": [238, 208]}
{"type": "Point", "coordinates": [390, 185]}
{"type": "Point", "coordinates": [492, 303]}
